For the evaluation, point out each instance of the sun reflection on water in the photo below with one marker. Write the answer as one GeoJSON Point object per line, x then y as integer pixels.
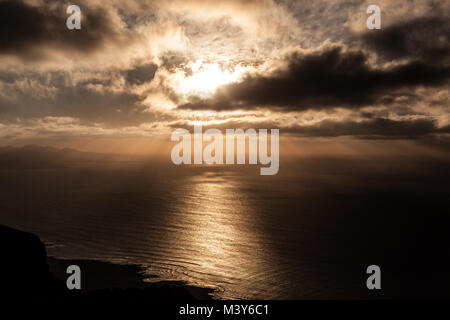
{"type": "Point", "coordinates": [217, 240]}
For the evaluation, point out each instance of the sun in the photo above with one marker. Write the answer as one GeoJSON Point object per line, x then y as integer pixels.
{"type": "Point", "coordinates": [206, 78]}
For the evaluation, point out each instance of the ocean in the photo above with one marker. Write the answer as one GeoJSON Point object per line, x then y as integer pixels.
{"type": "Point", "coordinates": [309, 232]}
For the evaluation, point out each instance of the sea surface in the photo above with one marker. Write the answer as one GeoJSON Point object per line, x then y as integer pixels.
{"type": "Point", "coordinates": [308, 233]}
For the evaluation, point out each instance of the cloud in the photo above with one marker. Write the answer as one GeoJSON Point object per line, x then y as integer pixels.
{"type": "Point", "coordinates": [128, 66]}
{"type": "Point", "coordinates": [113, 35]}
{"type": "Point", "coordinates": [50, 127]}
{"type": "Point", "coordinates": [420, 38]}
{"type": "Point", "coordinates": [373, 128]}
{"type": "Point", "coordinates": [333, 77]}
{"type": "Point", "coordinates": [31, 30]}
{"type": "Point", "coordinates": [376, 128]}
{"type": "Point", "coordinates": [141, 74]}
{"type": "Point", "coordinates": [97, 97]}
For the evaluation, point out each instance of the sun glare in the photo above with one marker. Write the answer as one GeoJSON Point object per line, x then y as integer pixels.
{"type": "Point", "coordinates": [206, 78]}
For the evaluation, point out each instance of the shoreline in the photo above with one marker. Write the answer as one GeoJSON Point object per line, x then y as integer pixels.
{"type": "Point", "coordinates": [100, 276]}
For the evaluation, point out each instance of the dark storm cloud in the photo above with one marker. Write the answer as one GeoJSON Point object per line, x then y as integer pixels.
{"type": "Point", "coordinates": [141, 74]}
{"type": "Point", "coordinates": [24, 28]}
{"type": "Point", "coordinates": [374, 128]}
{"type": "Point", "coordinates": [324, 79]}
{"type": "Point", "coordinates": [425, 38]}
{"type": "Point", "coordinates": [445, 129]}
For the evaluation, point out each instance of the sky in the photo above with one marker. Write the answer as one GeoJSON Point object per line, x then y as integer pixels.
{"type": "Point", "coordinates": [139, 69]}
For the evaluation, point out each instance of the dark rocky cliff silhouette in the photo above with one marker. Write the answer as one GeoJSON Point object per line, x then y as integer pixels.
{"type": "Point", "coordinates": [25, 273]}
{"type": "Point", "coordinates": [24, 269]}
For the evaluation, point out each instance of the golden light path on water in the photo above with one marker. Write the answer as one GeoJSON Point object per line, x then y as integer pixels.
{"type": "Point", "coordinates": [217, 242]}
